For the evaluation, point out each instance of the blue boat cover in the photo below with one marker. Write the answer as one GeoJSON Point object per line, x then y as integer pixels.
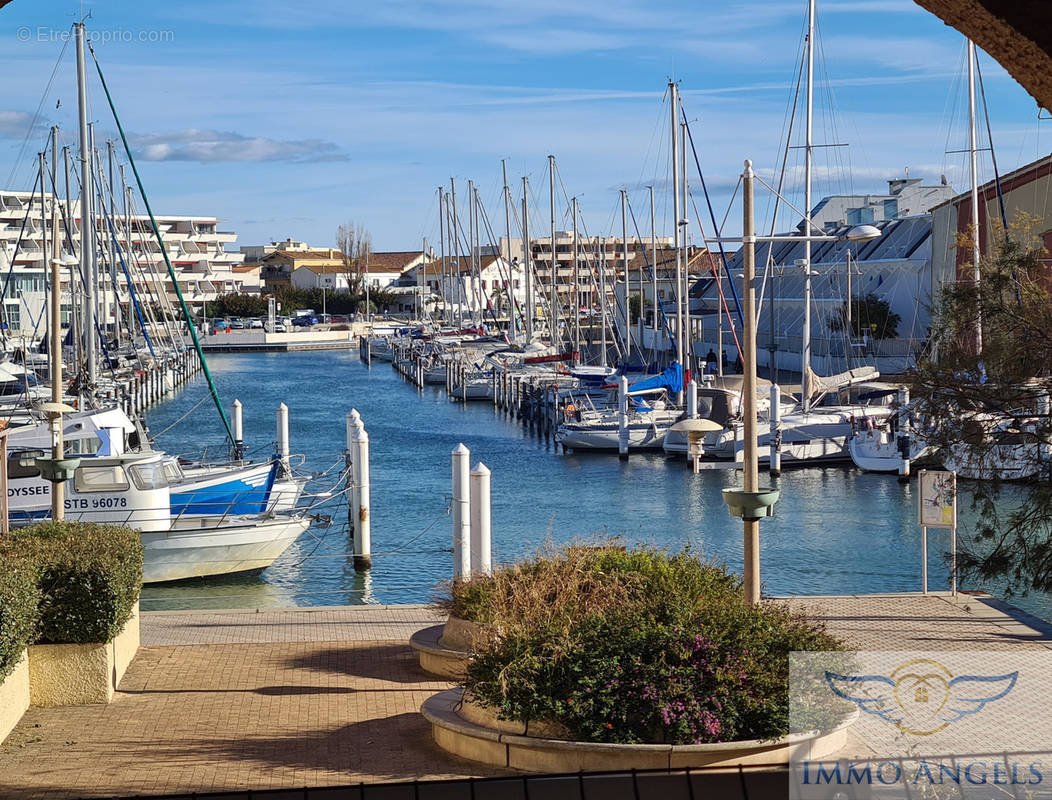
{"type": "Point", "coordinates": [671, 379]}
{"type": "Point", "coordinates": [234, 496]}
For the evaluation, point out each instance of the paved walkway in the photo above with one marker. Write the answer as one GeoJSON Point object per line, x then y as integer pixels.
{"type": "Point", "coordinates": [311, 697]}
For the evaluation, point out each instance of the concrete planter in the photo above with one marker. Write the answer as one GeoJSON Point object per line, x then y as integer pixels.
{"type": "Point", "coordinates": [462, 634]}
{"type": "Point", "coordinates": [14, 696]}
{"type": "Point", "coordinates": [464, 729]}
{"type": "Point", "coordinates": [444, 650]}
{"type": "Point", "coordinates": [81, 674]}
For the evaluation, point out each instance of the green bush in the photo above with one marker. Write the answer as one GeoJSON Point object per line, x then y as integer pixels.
{"type": "Point", "coordinates": [633, 646]}
{"type": "Point", "coordinates": [89, 576]}
{"type": "Point", "coordinates": [19, 601]}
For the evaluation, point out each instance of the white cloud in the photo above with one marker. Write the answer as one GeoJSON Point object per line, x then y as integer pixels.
{"type": "Point", "coordinates": [210, 146]}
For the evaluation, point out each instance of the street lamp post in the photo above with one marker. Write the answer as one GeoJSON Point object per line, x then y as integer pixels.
{"type": "Point", "coordinates": [752, 501]}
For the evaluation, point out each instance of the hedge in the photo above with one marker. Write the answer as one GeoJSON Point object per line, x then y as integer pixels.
{"type": "Point", "coordinates": [19, 609]}
{"type": "Point", "coordinates": [89, 576]}
{"type": "Point", "coordinates": [635, 646]}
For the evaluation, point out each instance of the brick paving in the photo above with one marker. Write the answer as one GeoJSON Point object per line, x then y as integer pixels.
{"type": "Point", "coordinates": [318, 624]}
{"type": "Point", "coordinates": [927, 622]}
{"type": "Point", "coordinates": [288, 698]}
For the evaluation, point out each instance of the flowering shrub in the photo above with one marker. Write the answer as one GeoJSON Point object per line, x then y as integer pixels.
{"type": "Point", "coordinates": [664, 650]}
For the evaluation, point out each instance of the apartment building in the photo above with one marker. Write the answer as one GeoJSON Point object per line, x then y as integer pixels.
{"type": "Point", "coordinates": [196, 247]}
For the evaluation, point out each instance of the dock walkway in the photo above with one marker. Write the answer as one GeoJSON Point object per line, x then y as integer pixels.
{"type": "Point", "coordinates": [287, 698]}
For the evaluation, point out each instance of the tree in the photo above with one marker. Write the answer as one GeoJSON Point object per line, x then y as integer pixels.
{"type": "Point", "coordinates": [976, 390]}
{"type": "Point", "coordinates": [637, 307]}
{"type": "Point", "coordinates": [355, 245]}
{"type": "Point", "coordinates": [237, 305]}
{"type": "Point", "coordinates": [382, 299]}
{"type": "Point", "coordinates": [869, 315]}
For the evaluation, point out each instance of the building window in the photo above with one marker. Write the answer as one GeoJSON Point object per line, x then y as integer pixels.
{"type": "Point", "coordinates": [12, 315]}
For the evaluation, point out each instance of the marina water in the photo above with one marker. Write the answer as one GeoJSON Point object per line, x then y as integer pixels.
{"type": "Point", "coordinates": [836, 530]}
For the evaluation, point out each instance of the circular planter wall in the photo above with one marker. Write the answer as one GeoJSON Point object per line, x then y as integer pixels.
{"type": "Point", "coordinates": [474, 733]}
{"type": "Point", "coordinates": [444, 650]}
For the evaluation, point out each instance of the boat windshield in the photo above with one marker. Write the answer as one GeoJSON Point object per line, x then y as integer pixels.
{"type": "Point", "coordinates": [87, 446]}
{"type": "Point", "coordinates": [149, 476]}
{"type": "Point", "coordinates": [173, 471]}
{"type": "Point", "coordinates": [109, 478]}
{"type": "Point", "coordinates": [23, 464]}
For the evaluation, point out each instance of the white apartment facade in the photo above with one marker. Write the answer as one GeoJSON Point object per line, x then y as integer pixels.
{"type": "Point", "coordinates": [196, 247]}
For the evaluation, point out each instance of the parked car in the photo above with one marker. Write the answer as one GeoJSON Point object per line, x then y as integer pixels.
{"type": "Point", "coordinates": [279, 327]}
{"type": "Point", "coordinates": [340, 318]}
{"type": "Point", "coordinates": [237, 324]}
{"type": "Point", "coordinates": [255, 324]}
{"type": "Point", "coordinates": [305, 321]}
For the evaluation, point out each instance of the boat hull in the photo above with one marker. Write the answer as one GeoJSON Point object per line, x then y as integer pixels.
{"type": "Point", "coordinates": [607, 437]}
{"type": "Point", "coordinates": [195, 547]}
{"type": "Point", "coordinates": [475, 390]}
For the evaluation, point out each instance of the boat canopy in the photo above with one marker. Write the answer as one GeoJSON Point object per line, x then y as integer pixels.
{"type": "Point", "coordinates": [671, 379]}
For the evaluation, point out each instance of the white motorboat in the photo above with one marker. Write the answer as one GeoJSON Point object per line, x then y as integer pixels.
{"type": "Point", "coordinates": [475, 386]}
{"type": "Point", "coordinates": [132, 489]}
{"type": "Point", "coordinates": [599, 429]}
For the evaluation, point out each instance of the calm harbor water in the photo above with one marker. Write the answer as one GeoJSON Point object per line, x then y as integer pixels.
{"type": "Point", "coordinates": [835, 530]}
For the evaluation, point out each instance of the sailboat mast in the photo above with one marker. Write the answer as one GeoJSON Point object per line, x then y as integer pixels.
{"type": "Point", "coordinates": [455, 253]}
{"type": "Point", "coordinates": [674, 105]}
{"type": "Point", "coordinates": [473, 272]}
{"type": "Point", "coordinates": [653, 272]}
{"type": "Point", "coordinates": [526, 257]}
{"type": "Point", "coordinates": [74, 317]}
{"type": "Point", "coordinates": [126, 193]}
{"type": "Point", "coordinates": [628, 282]}
{"type": "Point", "coordinates": [805, 347]}
{"type": "Point", "coordinates": [682, 290]}
{"type": "Point", "coordinates": [44, 232]}
{"type": "Point", "coordinates": [442, 248]}
{"type": "Point", "coordinates": [115, 305]}
{"type": "Point", "coordinates": [576, 287]}
{"type": "Point", "coordinates": [421, 281]}
{"type": "Point", "coordinates": [973, 153]}
{"type": "Point", "coordinates": [602, 297]}
{"type": "Point", "coordinates": [50, 284]}
{"type": "Point", "coordinates": [87, 226]}
{"type": "Point", "coordinates": [555, 337]}
{"type": "Point", "coordinates": [510, 288]}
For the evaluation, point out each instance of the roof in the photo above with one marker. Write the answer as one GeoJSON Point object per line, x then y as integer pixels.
{"type": "Point", "coordinates": [330, 254]}
{"type": "Point", "coordinates": [392, 260]}
{"type": "Point", "coordinates": [245, 268]}
{"type": "Point", "coordinates": [325, 269]}
{"type": "Point", "coordinates": [900, 238]}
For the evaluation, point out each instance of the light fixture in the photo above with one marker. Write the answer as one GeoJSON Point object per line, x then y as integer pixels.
{"type": "Point", "coordinates": [862, 233]}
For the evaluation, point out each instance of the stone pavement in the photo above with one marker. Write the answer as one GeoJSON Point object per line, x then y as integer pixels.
{"type": "Point", "coordinates": [288, 698]}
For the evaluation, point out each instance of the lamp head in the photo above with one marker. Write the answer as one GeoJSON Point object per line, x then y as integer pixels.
{"type": "Point", "coordinates": [862, 233]}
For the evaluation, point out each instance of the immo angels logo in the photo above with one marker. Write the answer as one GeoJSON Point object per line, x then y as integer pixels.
{"type": "Point", "coordinates": [921, 696]}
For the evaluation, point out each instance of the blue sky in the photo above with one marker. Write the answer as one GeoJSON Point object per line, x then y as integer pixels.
{"type": "Point", "coordinates": [289, 119]}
